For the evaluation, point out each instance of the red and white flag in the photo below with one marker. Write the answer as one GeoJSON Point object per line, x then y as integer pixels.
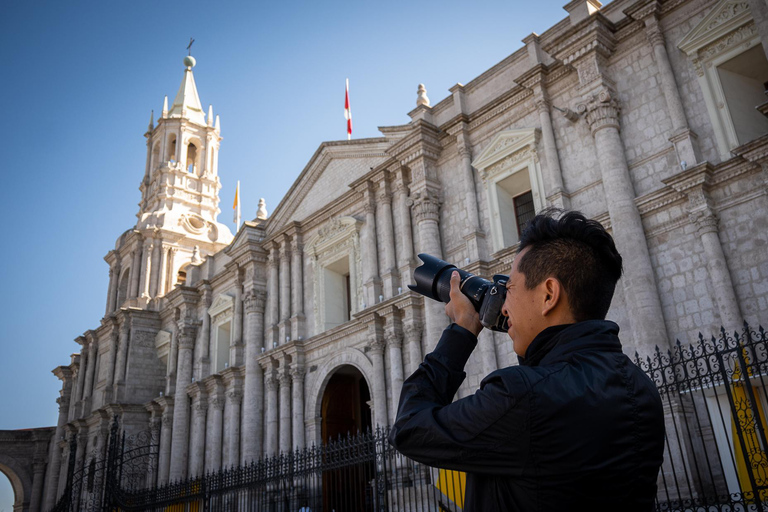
{"type": "Point", "coordinates": [348, 112]}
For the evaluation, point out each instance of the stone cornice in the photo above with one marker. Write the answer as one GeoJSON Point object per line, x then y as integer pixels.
{"type": "Point", "coordinates": [592, 34]}
{"type": "Point", "coordinates": [422, 141]}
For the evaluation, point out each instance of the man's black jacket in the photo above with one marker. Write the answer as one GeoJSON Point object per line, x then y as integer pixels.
{"type": "Point", "coordinates": [576, 426]}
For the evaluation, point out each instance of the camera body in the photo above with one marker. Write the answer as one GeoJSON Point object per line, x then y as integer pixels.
{"type": "Point", "coordinates": [433, 280]}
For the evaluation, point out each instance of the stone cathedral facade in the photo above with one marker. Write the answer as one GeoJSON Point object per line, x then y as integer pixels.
{"type": "Point", "coordinates": [647, 115]}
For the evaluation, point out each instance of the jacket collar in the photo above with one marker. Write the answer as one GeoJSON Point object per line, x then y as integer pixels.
{"type": "Point", "coordinates": [557, 342]}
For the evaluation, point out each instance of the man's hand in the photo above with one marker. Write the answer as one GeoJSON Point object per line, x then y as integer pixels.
{"type": "Point", "coordinates": [460, 310]}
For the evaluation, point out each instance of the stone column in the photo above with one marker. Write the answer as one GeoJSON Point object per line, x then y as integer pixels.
{"type": "Point", "coordinates": [236, 347]}
{"type": "Point", "coordinates": [197, 445]}
{"type": "Point", "coordinates": [695, 183]}
{"type": "Point", "coordinates": [285, 410]}
{"type": "Point", "coordinates": [487, 348]}
{"type": "Point", "coordinates": [93, 349]}
{"type": "Point", "coordinates": [81, 371]}
{"type": "Point", "coordinates": [154, 449]}
{"type": "Point", "coordinates": [171, 277]}
{"type": "Point", "coordinates": [173, 352]}
{"type": "Point", "coordinates": [122, 359]}
{"type": "Point", "coordinates": [472, 233]}
{"type": "Point", "coordinates": [386, 232]}
{"type": "Point", "coordinates": [114, 278]}
{"type": "Point", "coordinates": [273, 295]}
{"type": "Point", "coordinates": [146, 268]}
{"type": "Point", "coordinates": [180, 443]}
{"type": "Point", "coordinates": [413, 332]}
{"type": "Point", "coordinates": [234, 399]}
{"type": "Point", "coordinates": [270, 382]}
{"type": "Point", "coordinates": [38, 475]}
{"type": "Point", "coordinates": [371, 280]}
{"type": "Point", "coordinates": [555, 189]}
{"type": "Point", "coordinates": [285, 291]}
{"type": "Point", "coordinates": [166, 434]}
{"type": "Point", "coordinates": [82, 442]}
{"type": "Point", "coordinates": [253, 392]}
{"type": "Point", "coordinates": [379, 378]}
{"type": "Point", "coordinates": [297, 376]}
{"type": "Point", "coordinates": [135, 270]}
{"type": "Point", "coordinates": [205, 332]}
{"type": "Point", "coordinates": [214, 431]}
{"type": "Point", "coordinates": [162, 271]}
{"type": "Point", "coordinates": [54, 467]}
{"type": "Point", "coordinates": [405, 236]}
{"type": "Point", "coordinates": [155, 273]}
{"type": "Point", "coordinates": [426, 211]}
{"type": "Point", "coordinates": [643, 304]}
{"type": "Point", "coordinates": [114, 342]}
{"type": "Point", "coordinates": [394, 351]}
{"type": "Point", "coordinates": [297, 288]}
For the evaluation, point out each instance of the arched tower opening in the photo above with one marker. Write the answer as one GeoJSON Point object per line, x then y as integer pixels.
{"type": "Point", "coordinates": [122, 287]}
{"type": "Point", "coordinates": [192, 157]}
{"type": "Point", "coordinates": [171, 156]}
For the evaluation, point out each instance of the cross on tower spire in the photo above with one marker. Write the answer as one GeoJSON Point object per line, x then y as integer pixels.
{"type": "Point", "coordinates": [189, 46]}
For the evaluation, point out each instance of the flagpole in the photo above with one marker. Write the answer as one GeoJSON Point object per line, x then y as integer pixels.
{"type": "Point", "coordinates": [236, 207]}
{"type": "Point", "coordinates": [348, 112]}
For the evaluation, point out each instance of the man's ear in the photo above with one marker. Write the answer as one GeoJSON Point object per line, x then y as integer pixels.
{"type": "Point", "coordinates": [552, 292]}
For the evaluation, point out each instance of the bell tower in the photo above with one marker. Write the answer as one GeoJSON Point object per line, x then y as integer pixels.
{"type": "Point", "coordinates": [177, 218]}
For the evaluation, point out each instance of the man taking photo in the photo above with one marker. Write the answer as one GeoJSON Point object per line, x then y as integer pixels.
{"type": "Point", "coordinates": [576, 426]}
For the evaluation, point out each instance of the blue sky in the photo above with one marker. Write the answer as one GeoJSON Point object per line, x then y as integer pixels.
{"type": "Point", "coordinates": [78, 81]}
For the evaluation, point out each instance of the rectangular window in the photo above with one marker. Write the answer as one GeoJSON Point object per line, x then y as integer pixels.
{"type": "Point", "coordinates": [223, 337]}
{"type": "Point", "coordinates": [524, 210]}
{"type": "Point", "coordinates": [336, 295]}
{"type": "Point", "coordinates": [743, 78]}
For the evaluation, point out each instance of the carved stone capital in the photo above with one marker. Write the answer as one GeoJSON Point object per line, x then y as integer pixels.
{"type": "Point", "coordinates": [705, 220]}
{"type": "Point", "coordinates": [412, 332]}
{"type": "Point", "coordinates": [284, 378]}
{"type": "Point", "coordinates": [234, 396]}
{"type": "Point", "coordinates": [297, 374]}
{"type": "Point", "coordinates": [255, 301]}
{"type": "Point", "coordinates": [187, 333]}
{"type": "Point", "coordinates": [216, 403]}
{"type": "Point", "coordinates": [393, 339]}
{"type": "Point", "coordinates": [377, 346]}
{"type": "Point", "coordinates": [426, 205]}
{"type": "Point", "coordinates": [270, 382]}
{"type": "Point", "coordinates": [601, 111]}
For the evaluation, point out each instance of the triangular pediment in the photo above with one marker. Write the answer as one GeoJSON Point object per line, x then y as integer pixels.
{"type": "Point", "coordinates": [221, 303]}
{"type": "Point", "coordinates": [725, 17]}
{"type": "Point", "coordinates": [504, 144]}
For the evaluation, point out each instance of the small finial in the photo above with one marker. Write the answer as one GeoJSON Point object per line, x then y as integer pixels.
{"type": "Point", "coordinates": [151, 121]}
{"type": "Point", "coordinates": [196, 259]}
{"type": "Point", "coordinates": [189, 61]}
{"type": "Point", "coordinates": [165, 107]}
{"type": "Point", "coordinates": [421, 98]}
{"type": "Point", "coordinates": [261, 214]}
{"type": "Point", "coordinates": [210, 115]}
{"type": "Point", "coordinates": [218, 124]}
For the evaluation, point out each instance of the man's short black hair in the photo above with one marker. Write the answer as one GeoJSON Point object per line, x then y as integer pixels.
{"type": "Point", "coordinates": [576, 251]}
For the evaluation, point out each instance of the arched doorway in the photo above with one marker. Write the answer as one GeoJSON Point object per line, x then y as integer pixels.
{"type": "Point", "coordinates": [345, 407]}
{"type": "Point", "coordinates": [345, 411]}
{"type": "Point", "coordinates": [12, 490]}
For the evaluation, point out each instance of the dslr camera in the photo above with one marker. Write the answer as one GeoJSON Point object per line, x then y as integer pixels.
{"type": "Point", "coordinates": [433, 280]}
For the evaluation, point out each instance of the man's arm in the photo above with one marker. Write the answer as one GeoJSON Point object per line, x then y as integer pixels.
{"type": "Point", "coordinates": [485, 433]}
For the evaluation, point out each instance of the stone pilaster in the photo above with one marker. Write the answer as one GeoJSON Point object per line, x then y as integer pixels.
{"type": "Point", "coordinates": [81, 372]}
{"type": "Point", "coordinates": [285, 291]}
{"type": "Point", "coordinates": [253, 392]}
{"type": "Point", "coordinates": [180, 443]}
{"type": "Point", "coordinates": [162, 276]}
{"type": "Point", "coordinates": [473, 235]}
{"type": "Point", "coordinates": [285, 410]}
{"type": "Point", "coordinates": [38, 476]}
{"type": "Point", "coordinates": [197, 444]}
{"type": "Point", "coordinates": [389, 274]}
{"type": "Point", "coordinates": [371, 279]}
{"type": "Point", "coordinates": [155, 273]}
{"type": "Point", "coordinates": [405, 260]}
{"type": "Point", "coordinates": [273, 295]}
{"type": "Point", "coordinates": [487, 349]}
{"type": "Point", "coordinates": [695, 183]}
{"type": "Point", "coordinates": [122, 358]}
{"type": "Point", "coordinates": [93, 354]}
{"type": "Point", "coordinates": [204, 349]}
{"type": "Point", "coordinates": [682, 137]}
{"type": "Point", "coordinates": [376, 354]}
{"type": "Point", "coordinates": [426, 212]}
{"type": "Point", "coordinates": [234, 399]}
{"type": "Point", "coordinates": [297, 377]}
{"type": "Point", "coordinates": [270, 383]}
{"type": "Point", "coordinates": [135, 270]}
{"type": "Point", "coordinates": [297, 287]}
{"type": "Point", "coordinates": [236, 345]}
{"type": "Point", "coordinates": [114, 277]}
{"type": "Point", "coordinates": [114, 342]}
{"type": "Point", "coordinates": [215, 428]}
{"type": "Point", "coordinates": [173, 353]}
{"type": "Point", "coordinates": [394, 340]}
{"type": "Point", "coordinates": [166, 435]}
{"type": "Point", "coordinates": [412, 332]}
{"type": "Point", "coordinates": [601, 111]}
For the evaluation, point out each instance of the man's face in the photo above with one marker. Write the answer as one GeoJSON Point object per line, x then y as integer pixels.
{"type": "Point", "coordinates": [523, 309]}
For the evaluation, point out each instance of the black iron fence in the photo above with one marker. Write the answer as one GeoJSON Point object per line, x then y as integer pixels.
{"type": "Point", "coordinates": [716, 455]}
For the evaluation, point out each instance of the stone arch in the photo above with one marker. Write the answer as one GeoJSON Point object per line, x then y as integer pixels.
{"type": "Point", "coordinates": [20, 479]}
{"type": "Point", "coordinates": [313, 406]}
